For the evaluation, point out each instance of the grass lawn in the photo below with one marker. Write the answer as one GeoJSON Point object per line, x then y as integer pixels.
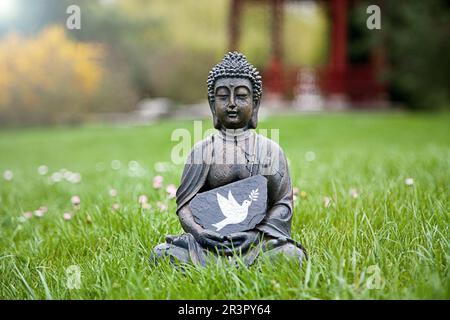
{"type": "Point", "coordinates": [384, 239]}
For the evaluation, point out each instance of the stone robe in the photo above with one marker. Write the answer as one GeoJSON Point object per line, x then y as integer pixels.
{"type": "Point", "coordinates": [228, 157]}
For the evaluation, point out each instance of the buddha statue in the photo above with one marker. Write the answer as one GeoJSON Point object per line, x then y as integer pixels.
{"type": "Point", "coordinates": [235, 152]}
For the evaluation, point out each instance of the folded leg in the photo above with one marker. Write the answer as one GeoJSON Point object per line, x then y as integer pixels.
{"type": "Point", "coordinates": [179, 249]}
{"type": "Point", "coordinates": [276, 247]}
{"type": "Point", "coordinates": [174, 253]}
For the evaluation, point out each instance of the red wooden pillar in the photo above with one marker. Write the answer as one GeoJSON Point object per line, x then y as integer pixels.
{"type": "Point", "coordinates": [235, 24]}
{"type": "Point", "coordinates": [337, 68]}
{"type": "Point", "coordinates": [273, 75]}
{"type": "Point", "coordinates": [275, 70]}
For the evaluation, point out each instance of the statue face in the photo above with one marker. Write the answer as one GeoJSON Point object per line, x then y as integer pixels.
{"type": "Point", "coordinates": [233, 102]}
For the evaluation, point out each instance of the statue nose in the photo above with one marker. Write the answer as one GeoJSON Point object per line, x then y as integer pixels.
{"type": "Point", "coordinates": [232, 103]}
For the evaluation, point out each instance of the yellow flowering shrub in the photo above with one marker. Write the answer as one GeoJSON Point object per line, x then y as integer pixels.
{"type": "Point", "coordinates": [47, 79]}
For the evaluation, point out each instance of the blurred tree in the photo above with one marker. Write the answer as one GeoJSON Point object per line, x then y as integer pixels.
{"type": "Point", "coordinates": [180, 74]}
{"type": "Point", "coordinates": [150, 48]}
{"type": "Point", "coordinates": [416, 35]}
{"type": "Point", "coordinates": [48, 78]}
{"type": "Point", "coordinates": [143, 36]}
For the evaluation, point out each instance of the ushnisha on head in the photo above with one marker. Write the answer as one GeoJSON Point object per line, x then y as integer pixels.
{"type": "Point", "coordinates": [234, 93]}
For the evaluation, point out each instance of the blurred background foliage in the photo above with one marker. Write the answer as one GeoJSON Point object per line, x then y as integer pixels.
{"type": "Point", "coordinates": [149, 49]}
{"type": "Point", "coordinates": [44, 73]}
{"type": "Point", "coordinates": [135, 49]}
{"type": "Point", "coordinates": [417, 37]}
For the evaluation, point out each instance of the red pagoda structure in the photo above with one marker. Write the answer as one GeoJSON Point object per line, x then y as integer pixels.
{"type": "Point", "coordinates": [357, 84]}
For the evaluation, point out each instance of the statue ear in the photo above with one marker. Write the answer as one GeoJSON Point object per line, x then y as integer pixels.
{"type": "Point", "coordinates": [254, 120]}
{"type": "Point", "coordinates": [216, 122]}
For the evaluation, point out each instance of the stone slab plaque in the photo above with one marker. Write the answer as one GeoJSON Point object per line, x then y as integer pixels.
{"type": "Point", "coordinates": [238, 206]}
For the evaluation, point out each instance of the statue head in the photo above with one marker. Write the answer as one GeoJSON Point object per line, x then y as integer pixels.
{"type": "Point", "coordinates": [234, 93]}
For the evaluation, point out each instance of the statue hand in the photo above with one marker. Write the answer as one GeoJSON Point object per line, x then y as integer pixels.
{"type": "Point", "coordinates": [209, 238]}
{"type": "Point", "coordinates": [243, 240]}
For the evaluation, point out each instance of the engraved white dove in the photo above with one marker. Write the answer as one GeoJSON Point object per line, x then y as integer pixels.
{"type": "Point", "coordinates": [232, 210]}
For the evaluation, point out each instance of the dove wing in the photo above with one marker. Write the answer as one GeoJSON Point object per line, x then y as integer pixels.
{"type": "Point", "coordinates": [233, 201]}
{"type": "Point", "coordinates": [225, 206]}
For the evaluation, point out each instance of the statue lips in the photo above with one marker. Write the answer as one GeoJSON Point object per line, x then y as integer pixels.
{"type": "Point", "coordinates": [232, 114]}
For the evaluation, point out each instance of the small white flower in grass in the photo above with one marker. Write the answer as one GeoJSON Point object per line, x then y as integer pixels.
{"type": "Point", "coordinates": [327, 202]}
{"type": "Point", "coordinates": [157, 182]}
{"type": "Point", "coordinates": [74, 177]}
{"type": "Point", "coordinates": [354, 193]}
{"type": "Point", "coordinates": [161, 206]}
{"type": "Point", "coordinates": [66, 174]}
{"type": "Point", "coordinates": [39, 213]}
{"type": "Point", "coordinates": [295, 197]}
{"type": "Point", "coordinates": [409, 181]}
{"type": "Point", "coordinates": [8, 175]}
{"type": "Point", "coordinates": [171, 190]}
{"type": "Point", "coordinates": [27, 215]}
{"type": "Point", "coordinates": [56, 177]}
{"type": "Point", "coordinates": [43, 170]}
{"type": "Point", "coordinates": [67, 216]}
{"type": "Point", "coordinates": [113, 192]}
{"type": "Point", "coordinates": [75, 200]}
{"type": "Point", "coordinates": [116, 164]}
{"type": "Point", "coordinates": [115, 206]}
{"type": "Point", "coordinates": [143, 199]}
{"type": "Point", "coordinates": [146, 206]}
{"type": "Point", "coordinates": [43, 209]}
{"type": "Point", "coordinates": [295, 191]}
{"type": "Point", "coordinates": [310, 156]}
